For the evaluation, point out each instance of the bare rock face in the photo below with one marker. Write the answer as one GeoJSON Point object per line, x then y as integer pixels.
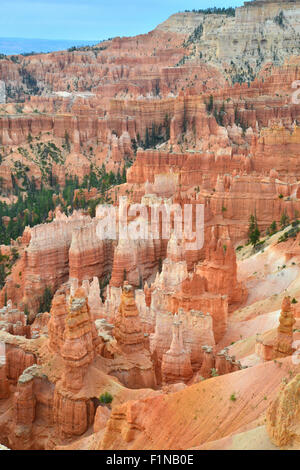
{"type": "Point", "coordinates": [283, 416]}
{"type": "Point", "coordinates": [128, 329]}
{"type": "Point", "coordinates": [112, 302]}
{"type": "Point", "coordinates": [56, 325]}
{"type": "Point", "coordinates": [160, 340]}
{"type": "Point", "coordinates": [101, 417]}
{"type": "Point", "coordinates": [17, 360]}
{"type": "Point", "coordinates": [196, 331]}
{"type": "Point", "coordinates": [4, 383]}
{"type": "Point", "coordinates": [132, 363]}
{"type": "Point", "coordinates": [278, 343]}
{"type": "Point", "coordinates": [283, 345]}
{"type": "Point", "coordinates": [176, 363]}
{"type": "Point", "coordinates": [72, 416]}
{"type": "Point", "coordinates": [33, 400]}
{"type": "Point", "coordinates": [194, 296]}
{"type": "Point", "coordinates": [208, 363]}
{"type": "Point", "coordinates": [78, 341]}
{"type": "Point", "coordinates": [25, 400]}
{"type": "Point", "coordinates": [222, 39]}
{"type": "Point", "coordinates": [94, 299]}
{"type": "Point", "coordinates": [89, 256]}
{"type": "Point", "coordinates": [14, 321]}
{"type": "Point", "coordinates": [233, 147]}
{"type": "Point", "coordinates": [175, 288]}
{"type": "Point", "coordinates": [220, 269]}
{"type": "Point", "coordinates": [73, 342]}
{"type": "Point", "coordinates": [40, 324]}
{"type": "Point", "coordinates": [135, 260]}
{"type": "Point", "coordinates": [2, 92]}
{"type": "Point", "coordinates": [46, 259]}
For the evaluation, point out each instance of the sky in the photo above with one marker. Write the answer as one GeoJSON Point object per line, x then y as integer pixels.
{"type": "Point", "coordinates": [91, 19]}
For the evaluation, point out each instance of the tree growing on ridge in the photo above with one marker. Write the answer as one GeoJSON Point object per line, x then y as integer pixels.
{"type": "Point", "coordinates": [253, 231]}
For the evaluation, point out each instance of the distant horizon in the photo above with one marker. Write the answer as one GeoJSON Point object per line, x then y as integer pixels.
{"type": "Point", "coordinates": [49, 39]}
{"type": "Point", "coordinates": [15, 46]}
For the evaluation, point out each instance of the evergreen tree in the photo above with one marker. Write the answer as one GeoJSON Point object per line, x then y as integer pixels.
{"type": "Point", "coordinates": [284, 220]}
{"type": "Point", "coordinates": [253, 231]}
{"type": "Point", "coordinates": [210, 104]}
{"type": "Point", "coordinates": [45, 301]}
{"type": "Point", "coordinates": [147, 140]}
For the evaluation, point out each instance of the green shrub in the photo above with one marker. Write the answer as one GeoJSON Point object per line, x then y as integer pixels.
{"type": "Point", "coordinates": [292, 233]}
{"type": "Point", "coordinates": [284, 220]}
{"type": "Point", "coordinates": [106, 398]}
{"type": "Point", "coordinates": [279, 19]}
{"type": "Point", "coordinates": [45, 301]}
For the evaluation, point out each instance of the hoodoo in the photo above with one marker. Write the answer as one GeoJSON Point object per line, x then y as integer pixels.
{"type": "Point", "coordinates": [150, 233]}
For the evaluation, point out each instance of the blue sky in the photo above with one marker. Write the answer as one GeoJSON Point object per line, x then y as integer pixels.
{"type": "Point", "coordinates": [91, 19]}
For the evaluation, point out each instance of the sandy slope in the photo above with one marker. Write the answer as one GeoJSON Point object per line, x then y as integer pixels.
{"type": "Point", "coordinates": [200, 413]}
{"type": "Point", "coordinates": [254, 439]}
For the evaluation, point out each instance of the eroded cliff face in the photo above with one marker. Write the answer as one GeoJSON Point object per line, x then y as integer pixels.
{"type": "Point", "coordinates": [56, 400]}
{"type": "Point", "coordinates": [141, 329]}
{"type": "Point", "coordinates": [131, 86]}
{"type": "Point", "coordinates": [259, 32]}
{"type": "Point", "coordinates": [44, 262]}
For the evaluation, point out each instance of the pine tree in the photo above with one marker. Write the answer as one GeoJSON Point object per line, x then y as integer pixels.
{"type": "Point", "coordinates": [45, 301]}
{"type": "Point", "coordinates": [210, 104]}
{"type": "Point", "coordinates": [147, 140]}
{"type": "Point", "coordinates": [284, 220]}
{"type": "Point", "coordinates": [253, 231]}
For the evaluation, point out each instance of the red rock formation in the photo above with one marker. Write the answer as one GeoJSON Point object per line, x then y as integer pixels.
{"type": "Point", "coordinates": [49, 247]}
{"type": "Point", "coordinates": [101, 417]}
{"type": "Point", "coordinates": [131, 362]}
{"type": "Point", "coordinates": [176, 363]}
{"type": "Point", "coordinates": [24, 407]}
{"type": "Point", "coordinates": [197, 331]}
{"type": "Point", "coordinates": [4, 384]}
{"type": "Point", "coordinates": [193, 296]}
{"type": "Point", "coordinates": [220, 270]}
{"type": "Point", "coordinates": [208, 363]}
{"type": "Point", "coordinates": [89, 256]}
{"type": "Point", "coordinates": [14, 321]}
{"type": "Point", "coordinates": [56, 325]}
{"type": "Point", "coordinates": [45, 261]}
{"type": "Point", "coordinates": [94, 299]}
{"type": "Point", "coordinates": [283, 346]}
{"type": "Point", "coordinates": [275, 344]}
{"type": "Point", "coordinates": [40, 325]}
{"type": "Point", "coordinates": [128, 329]}
{"type": "Point", "coordinates": [33, 403]}
{"type": "Point", "coordinates": [233, 149]}
{"type": "Point", "coordinates": [72, 416]}
{"type": "Point", "coordinates": [17, 360]}
{"type": "Point", "coordinates": [79, 340]}
{"type": "Point", "coordinates": [135, 260]}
